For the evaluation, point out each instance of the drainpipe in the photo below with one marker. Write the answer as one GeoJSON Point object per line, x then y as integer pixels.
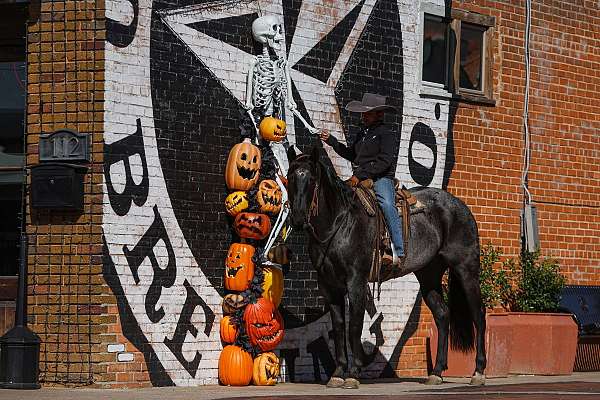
{"type": "Point", "coordinates": [529, 227]}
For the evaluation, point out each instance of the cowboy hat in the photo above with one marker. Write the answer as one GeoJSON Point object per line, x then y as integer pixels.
{"type": "Point", "coordinates": [370, 102]}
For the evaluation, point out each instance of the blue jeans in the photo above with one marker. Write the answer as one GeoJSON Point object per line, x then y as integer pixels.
{"type": "Point", "coordinates": [386, 196]}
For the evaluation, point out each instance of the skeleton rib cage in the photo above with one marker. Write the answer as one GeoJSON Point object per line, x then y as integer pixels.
{"type": "Point", "coordinates": [269, 83]}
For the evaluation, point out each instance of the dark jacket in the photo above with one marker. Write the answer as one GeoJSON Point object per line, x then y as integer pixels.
{"type": "Point", "coordinates": [374, 152]}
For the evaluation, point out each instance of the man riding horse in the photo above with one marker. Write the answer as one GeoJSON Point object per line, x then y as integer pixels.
{"type": "Point", "coordinates": [374, 154]}
{"type": "Point", "coordinates": [442, 238]}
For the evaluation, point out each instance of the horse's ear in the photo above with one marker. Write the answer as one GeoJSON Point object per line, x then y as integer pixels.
{"type": "Point", "coordinates": [291, 153]}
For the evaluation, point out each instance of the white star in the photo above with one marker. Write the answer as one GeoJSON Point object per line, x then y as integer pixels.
{"type": "Point", "coordinates": [230, 64]}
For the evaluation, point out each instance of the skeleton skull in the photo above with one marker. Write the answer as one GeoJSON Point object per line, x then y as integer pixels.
{"type": "Point", "coordinates": [267, 30]}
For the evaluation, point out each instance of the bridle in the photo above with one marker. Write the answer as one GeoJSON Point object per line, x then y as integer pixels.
{"type": "Point", "coordinates": [313, 211]}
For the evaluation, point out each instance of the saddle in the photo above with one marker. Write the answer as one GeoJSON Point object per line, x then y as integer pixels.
{"type": "Point", "coordinates": [407, 205]}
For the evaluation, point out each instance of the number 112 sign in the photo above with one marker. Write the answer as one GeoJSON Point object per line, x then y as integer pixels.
{"type": "Point", "coordinates": [64, 145]}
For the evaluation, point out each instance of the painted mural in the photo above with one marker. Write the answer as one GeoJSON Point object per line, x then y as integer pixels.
{"type": "Point", "coordinates": [175, 85]}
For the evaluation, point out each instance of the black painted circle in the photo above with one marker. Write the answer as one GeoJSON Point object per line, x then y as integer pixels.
{"type": "Point", "coordinates": [423, 134]}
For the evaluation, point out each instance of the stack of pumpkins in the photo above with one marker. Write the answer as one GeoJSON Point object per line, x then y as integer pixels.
{"type": "Point", "coordinates": [247, 317]}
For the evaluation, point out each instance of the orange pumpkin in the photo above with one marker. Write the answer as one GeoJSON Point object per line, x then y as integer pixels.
{"type": "Point", "coordinates": [235, 366]}
{"type": "Point", "coordinates": [272, 129]}
{"type": "Point", "coordinates": [252, 225]}
{"type": "Point", "coordinates": [266, 369]}
{"type": "Point", "coordinates": [264, 324]}
{"type": "Point", "coordinates": [239, 268]}
{"type": "Point", "coordinates": [243, 166]}
{"type": "Point", "coordinates": [227, 330]}
{"type": "Point", "coordinates": [269, 196]}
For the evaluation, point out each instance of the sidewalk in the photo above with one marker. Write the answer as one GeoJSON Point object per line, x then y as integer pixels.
{"type": "Point", "coordinates": [578, 386]}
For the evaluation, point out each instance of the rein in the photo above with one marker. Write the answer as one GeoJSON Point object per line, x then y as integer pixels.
{"type": "Point", "coordinates": [313, 211]}
{"type": "Point", "coordinates": [330, 237]}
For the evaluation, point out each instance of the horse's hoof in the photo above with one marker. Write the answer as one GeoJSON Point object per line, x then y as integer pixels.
{"type": "Point", "coordinates": [351, 383]}
{"type": "Point", "coordinates": [434, 380]}
{"type": "Point", "coordinates": [478, 379]}
{"type": "Point", "coordinates": [335, 382]}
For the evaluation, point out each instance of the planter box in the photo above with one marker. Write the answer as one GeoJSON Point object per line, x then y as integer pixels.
{"type": "Point", "coordinates": [497, 343]}
{"type": "Point", "coordinates": [543, 343]}
{"type": "Point", "coordinates": [519, 343]}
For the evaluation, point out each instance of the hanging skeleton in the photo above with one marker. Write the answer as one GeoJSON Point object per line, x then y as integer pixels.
{"type": "Point", "coordinates": [269, 86]}
{"type": "Point", "coordinates": [269, 93]}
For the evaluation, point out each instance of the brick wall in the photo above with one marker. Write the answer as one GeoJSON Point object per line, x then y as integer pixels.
{"type": "Point", "coordinates": [127, 293]}
{"type": "Point", "coordinates": [564, 177]}
{"type": "Point", "coordinates": [68, 298]}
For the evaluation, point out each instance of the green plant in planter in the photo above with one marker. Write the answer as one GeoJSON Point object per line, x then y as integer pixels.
{"type": "Point", "coordinates": [496, 284]}
{"type": "Point", "coordinates": [530, 284]}
{"type": "Point", "coordinates": [540, 284]}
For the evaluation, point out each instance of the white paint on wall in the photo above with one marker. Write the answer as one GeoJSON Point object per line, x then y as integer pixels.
{"type": "Point", "coordinates": [115, 348]}
{"type": "Point", "coordinates": [128, 97]}
{"type": "Point", "coordinates": [125, 357]}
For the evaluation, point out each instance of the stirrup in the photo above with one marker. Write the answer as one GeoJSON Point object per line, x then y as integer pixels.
{"type": "Point", "coordinates": [392, 260]}
{"type": "Point", "coordinates": [395, 259]}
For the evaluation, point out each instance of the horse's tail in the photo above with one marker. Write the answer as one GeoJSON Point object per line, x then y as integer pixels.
{"type": "Point", "coordinates": [462, 335]}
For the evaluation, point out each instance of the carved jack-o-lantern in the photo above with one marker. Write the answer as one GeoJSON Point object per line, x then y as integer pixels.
{"type": "Point", "coordinates": [239, 268]}
{"type": "Point", "coordinates": [232, 303]}
{"type": "Point", "coordinates": [243, 166]}
{"type": "Point", "coordinates": [252, 225]}
{"type": "Point", "coordinates": [235, 366]}
{"type": "Point", "coordinates": [236, 202]}
{"type": "Point", "coordinates": [272, 129]}
{"type": "Point", "coordinates": [265, 370]}
{"type": "Point", "coordinates": [269, 196]}
{"type": "Point", "coordinates": [264, 324]}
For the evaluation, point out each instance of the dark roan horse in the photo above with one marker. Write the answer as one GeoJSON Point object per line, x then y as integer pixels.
{"type": "Point", "coordinates": [341, 235]}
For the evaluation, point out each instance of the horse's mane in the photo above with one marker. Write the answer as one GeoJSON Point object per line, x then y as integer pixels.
{"type": "Point", "coordinates": [327, 172]}
{"type": "Point", "coordinates": [335, 182]}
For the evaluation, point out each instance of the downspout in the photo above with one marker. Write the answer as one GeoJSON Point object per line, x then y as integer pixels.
{"type": "Point", "coordinates": [529, 226]}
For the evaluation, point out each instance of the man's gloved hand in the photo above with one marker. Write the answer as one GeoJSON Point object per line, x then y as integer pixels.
{"type": "Point", "coordinates": [352, 181]}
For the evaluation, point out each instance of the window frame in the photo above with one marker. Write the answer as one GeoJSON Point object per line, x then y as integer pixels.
{"type": "Point", "coordinates": [427, 88]}
{"type": "Point", "coordinates": [452, 89]}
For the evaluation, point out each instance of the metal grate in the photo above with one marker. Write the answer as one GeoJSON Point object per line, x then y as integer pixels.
{"type": "Point", "coordinates": [63, 266]}
{"type": "Point", "coordinates": [584, 303]}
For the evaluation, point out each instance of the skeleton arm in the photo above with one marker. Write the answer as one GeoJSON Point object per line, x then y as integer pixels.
{"type": "Point", "coordinates": [292, 105]}
{"type": "Point", "coordinates": [249, 106]}
{"type": "Point", "coordinates": [288, 82]}
{"type": "Point", "coordinates": [283, 213]}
